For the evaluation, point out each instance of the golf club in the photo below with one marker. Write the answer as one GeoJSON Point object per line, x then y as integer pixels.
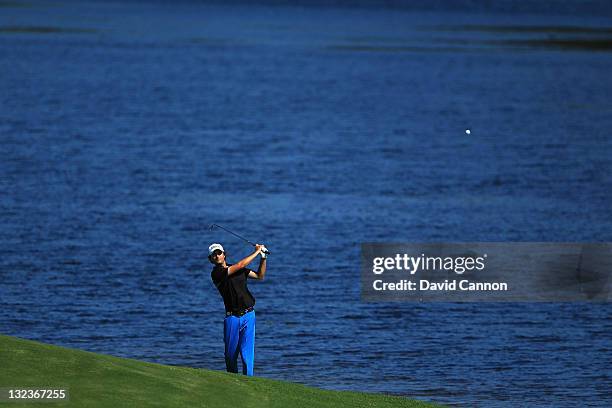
{"type": "Point", "coordinates": [212, 226]}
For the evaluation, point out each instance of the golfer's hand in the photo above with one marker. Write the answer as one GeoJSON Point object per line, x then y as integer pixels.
{"type": "Point", "coordinates": [258, 248]}
{"type": "Point", "coordinates": [263, 252]}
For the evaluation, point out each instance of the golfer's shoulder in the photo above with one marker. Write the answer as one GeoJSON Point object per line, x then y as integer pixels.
{"type": "Point", "coordinates": [218, 272]}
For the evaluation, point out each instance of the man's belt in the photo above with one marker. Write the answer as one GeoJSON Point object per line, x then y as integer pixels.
{"type": "Point", "coordinates": [240, 313]}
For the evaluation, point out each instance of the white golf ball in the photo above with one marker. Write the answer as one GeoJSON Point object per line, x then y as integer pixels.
{"type": "Point", "coordinates": [467, 131]}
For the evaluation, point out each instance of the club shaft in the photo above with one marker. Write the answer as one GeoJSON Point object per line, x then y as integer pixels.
{"type": "Point", "coordinates": [236, 235]}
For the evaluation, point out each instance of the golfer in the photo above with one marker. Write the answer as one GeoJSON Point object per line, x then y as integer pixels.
{"type": "Point", "coordinates": [239, 323]}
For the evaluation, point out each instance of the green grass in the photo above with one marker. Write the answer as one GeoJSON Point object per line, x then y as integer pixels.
{"type": "Point", "coordinates": [97, 380]}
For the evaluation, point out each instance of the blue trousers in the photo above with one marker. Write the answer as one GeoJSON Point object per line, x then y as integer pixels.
{"type": "Point", "coordinates": [239, 337]}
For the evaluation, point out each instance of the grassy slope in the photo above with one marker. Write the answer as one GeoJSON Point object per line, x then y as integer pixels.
{"type": "Point", "coordinates": [96, 380]}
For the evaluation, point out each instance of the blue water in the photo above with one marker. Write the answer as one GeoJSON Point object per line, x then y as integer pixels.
{"type": "Point", "coordinates": [127, 128]}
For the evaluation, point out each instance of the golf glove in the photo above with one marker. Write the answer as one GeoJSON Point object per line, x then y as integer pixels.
{"type": "Point", "coordinates": [263, 252]}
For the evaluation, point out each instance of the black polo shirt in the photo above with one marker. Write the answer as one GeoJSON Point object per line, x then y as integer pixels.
{"type": "Point", "coordinates": [233, 288]}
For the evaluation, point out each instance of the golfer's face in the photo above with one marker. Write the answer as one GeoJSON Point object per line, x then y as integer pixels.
{"type": "Point", "coordinates": [218, 256]}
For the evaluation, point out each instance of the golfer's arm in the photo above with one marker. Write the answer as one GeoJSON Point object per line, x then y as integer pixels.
{"type": "Point", "coordinates": [261, 272]}
{"type": "Point", "coordinates": [243, 262]}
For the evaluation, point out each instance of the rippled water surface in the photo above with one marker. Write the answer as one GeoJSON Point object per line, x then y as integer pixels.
{"type": "Point", "coordinates": [126, 129]}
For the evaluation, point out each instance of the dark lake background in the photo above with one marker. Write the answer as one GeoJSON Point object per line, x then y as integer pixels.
{"type": "Point", "coordinates": [127, 127]}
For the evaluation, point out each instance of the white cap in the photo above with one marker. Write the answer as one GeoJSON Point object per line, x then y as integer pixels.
{"type": "Point", "coordinates": [214, 247]}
